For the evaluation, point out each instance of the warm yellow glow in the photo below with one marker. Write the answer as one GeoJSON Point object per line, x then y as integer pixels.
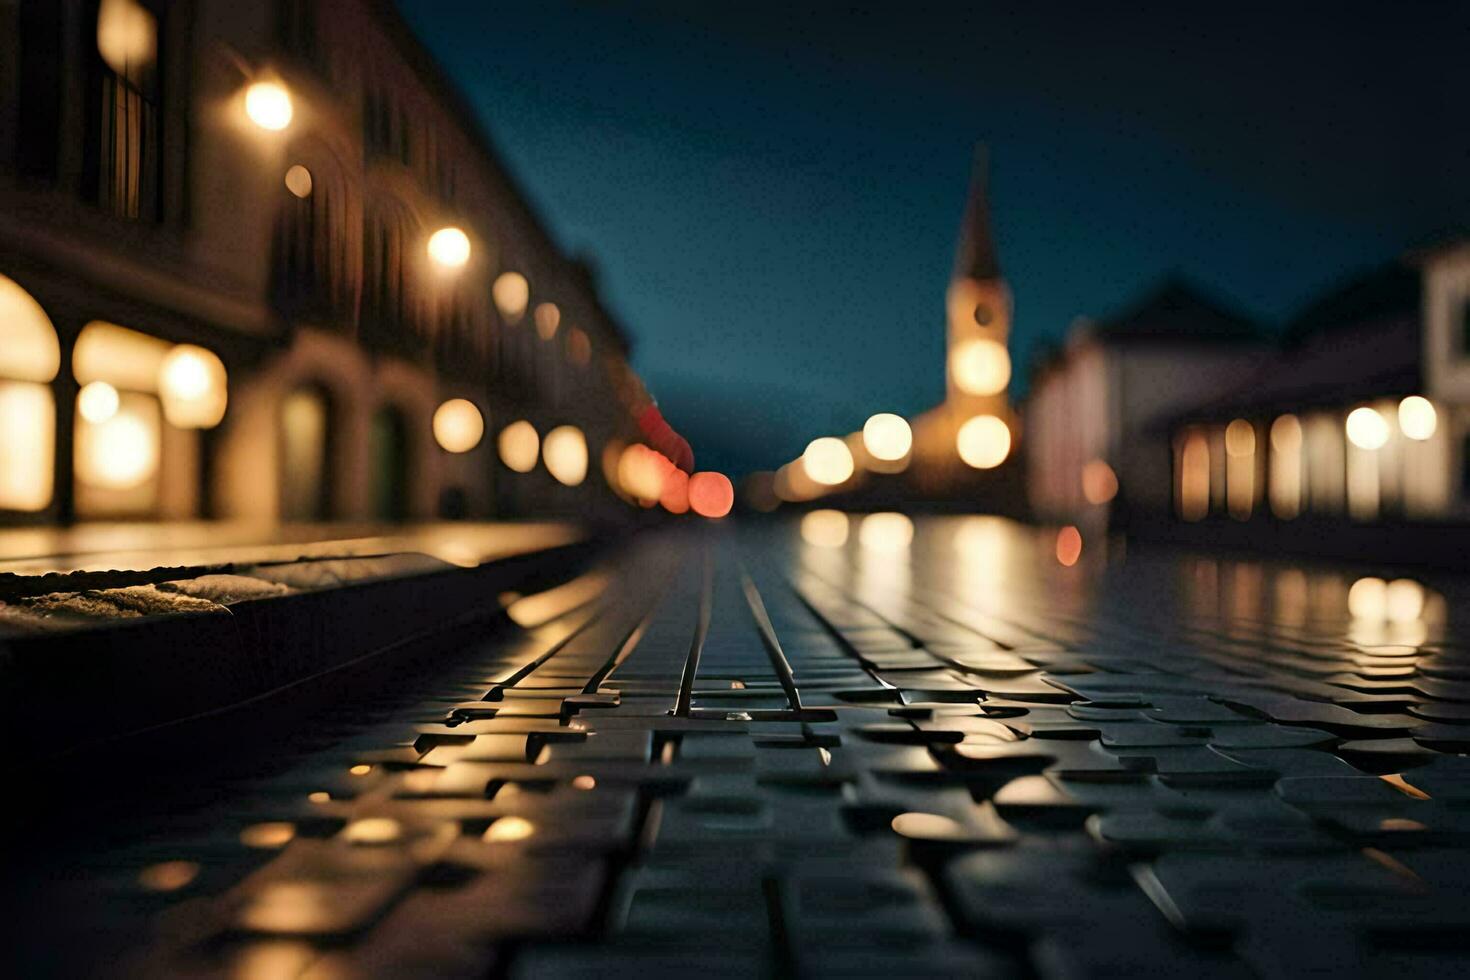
{"type": "Point", "coordinates": [127, 37]}
{"type": "Point", "coordinates": [1368, 599]}
{"type": "Point", "coordinates": [511, 292]}
{"type": "Point", "coordinates": [1403, 600]}
{"type": "Point", "coordinates": [641, 473]}
{"type": "Point", "coordinates": [828, 461]}
{"type": "Point", "coordinates": [298, 181]}
{"type": "Point", "coordinates": [458, 426]}
{"type": "Point", "coordinates": [1240, 438]}
{"type": "Point", "coordinates": [887, 437]}
{"type": "Point", "coordinates": [565, 453]}
{"type": "Point", "coordinates": [885, 532]}
{"type": "Point", "coordinates": [1240, 469]}
{"type": "Point", "coordinates": [793, 484]}
{"type": "Point", "coordinates": [548, 318]}
{"type": "Point", "coordinates": [193, 387]}
{"type": "Point", "coordinates": [1286, 467]}
{"type": "Point", "coordinates": [508, 829]}
{"type": "Point", "coordinates": [1069, 545]}
{"type": "Point", "coordinates": [28, 347]}
{"type": "Point", "coordinates": [519, 446]}
{"type": "Point", "coordinates": [269, 835]}
{"type": "Point", "coordinates": [584, 782]}
{"type": "Point", "coordinates": [373, 830]}
{"type": "Point", "coordinates": [27, 444]}
{"type": "Point", "coordinates": [1194, 476]}
{"type": "Point", "coordinates": [450, 248]}
{"type": "Point", "coordinates": [981, 366]}
{"type": "Point", "coordinates": [126, 359]}
{"type": "Point", "coordinates": [122, 452]}
{"type": "Point", "coordinates": [361, 769]}
{"type": "Point", "coordinates": [1417, 417]}
{"type": "Point", "coordinates": [97, 402]}
{"type": "Point", "coordinates": [1099, 482]}
{"type": "Point", "coordinates": [983, 442]}
{"type": "Point", "coordinates": [268, 105]}
{"type": "Point", "coordinates": [168, 876]}
{"type": "Point", "coordinates": [824, 528]}
{"type": "Point", "coordinates": [1366, 428]}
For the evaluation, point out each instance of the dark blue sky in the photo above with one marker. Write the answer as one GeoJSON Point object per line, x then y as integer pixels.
{"type": "Point", "coordinates": [772, 195]}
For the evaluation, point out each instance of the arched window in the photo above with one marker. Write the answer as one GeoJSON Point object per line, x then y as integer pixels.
{"type": "Point", "coordinates": [307, 420]}
{"type": "Point", "coordinates": [312, 276]}
{"type": "Point", "coordinates": [29, 359]}
{"type": "Point", "coordinates": [391, 319]}
{"type": "Point", "coordinates": [124, 147]}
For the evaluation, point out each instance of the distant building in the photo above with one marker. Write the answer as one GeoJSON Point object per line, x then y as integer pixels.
{"type": "Point", "coordinates": [972, 431]}
{"type": "Point", "coordinates": [1091, 442]}
{"type": "Point", "coordinates": [1364, 415]}
{"type": "Point", "coordinates": [222, 293]}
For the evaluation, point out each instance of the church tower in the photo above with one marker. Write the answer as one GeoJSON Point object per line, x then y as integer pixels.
{"type": "Point", "coordinates": [978, 307]}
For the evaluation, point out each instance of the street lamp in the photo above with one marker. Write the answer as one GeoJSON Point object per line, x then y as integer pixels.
{"type": "Point", "coordinates": [268, 105]}
{"type": "Point", "coordinates": [449, 247]}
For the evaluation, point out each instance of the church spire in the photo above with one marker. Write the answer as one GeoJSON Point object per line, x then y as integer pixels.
{"type": "Point", "coordinates": [975, 258]}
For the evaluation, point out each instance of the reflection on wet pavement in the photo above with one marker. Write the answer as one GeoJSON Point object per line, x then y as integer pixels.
{"type": "Point", "coordinates": [844, 745]}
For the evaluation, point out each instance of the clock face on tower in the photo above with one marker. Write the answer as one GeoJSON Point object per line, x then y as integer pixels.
{"type": "Point", "coordinates": [984, 314]}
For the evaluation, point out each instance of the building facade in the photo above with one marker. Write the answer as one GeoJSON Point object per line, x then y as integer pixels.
{"type": "Point", "coordinates": [1093, 444]}
{"type": "Point", "coordinates": [259, 261]}
{"type": "Point", "coordinates": [1362, 416]}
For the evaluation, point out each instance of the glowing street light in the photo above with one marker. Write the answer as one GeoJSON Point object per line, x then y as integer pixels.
{"type": "Point", "coordinates": [458, 426]}
{"type": "Point", "coordinates": [98, 402]}
{"type": "Point", "coordinates": [449, 247]}
{"type": "Point", "coordinates": [983, 442]}
{"type": "Point", "coordinates": [1366, 428]}
{"type": "Point", "coordinates": [268, 105]}
{"type": "Point", "coordinates": [827, 461]}
{"type": "Point", "coordinates": [887, 437]}
{"type": "Point", "coordinates": [1417, 418]}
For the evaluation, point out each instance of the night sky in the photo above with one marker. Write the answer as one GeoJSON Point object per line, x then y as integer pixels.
{"type": "Point", "coordinates": [772, 196]}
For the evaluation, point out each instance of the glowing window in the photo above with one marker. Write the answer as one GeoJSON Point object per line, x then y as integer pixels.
{"type": "Point", "coordinates": [29, 358]}
{"type": "Point", "coordinates": [1194, 476]}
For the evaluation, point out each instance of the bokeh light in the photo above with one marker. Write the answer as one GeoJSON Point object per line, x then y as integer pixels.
{"type": "Point", "coordinates": [449, 247]}
{"type": "Point", "coordinates": [1366, 428]}
{"type": "Point", "coordinates": [887, 437]}
{"type": "Point", "coordinates": [565, 454]}
{"type": "Point", "coordinates": [547, 317]}
{"type": "Point", "coordinates": [97, 402]}
{"type": "Point", "coordinates": [298, 181]}
{"type": "Point", "coordinates": [1368, 599]}
{"type": "Point", "coordinates": [675, 496]}
{"type": "Point", "coordinates": [1099, 482]}
{"type": "Point", "coordinates": [1069, 545]}
{"type": "Point", "coordinates": [984, 442]}
{"type": "Point", "coordinates": [1240, 438]}
{"type": "Point", "coordinates": [127, 37]}
{"type": "Point", "coordinates": [1286, 434]}
{"type": "Point", "coordinates": [268, 105]}
{"type": "Point", "coordinates": [120, 453]}
{"type": "Point", "coordinates": [885, 532]}
{"type": "Point", "coordinates": [824, 528]}
{"type": "Point", "coordinates": [193, 386]}
{"type": "Point", "coordinates": [711, 494]}
{"type": "Point", "coordinates": [511, 293]}
{"type": "Point", "coordinates": [1417, 417]}
{"type": "Point", "coordinates": [519, 446]}
{"type": "Point", "coordinates": [458, 425]}
{"type": "Point", "coordinates": [641, 473]}
{"type": "Point", "coordinates": [981, 366]}
{"type": "Point", "coordinates": [828, 461]}
{"type": "Point", "coordinates": [1403, 600]}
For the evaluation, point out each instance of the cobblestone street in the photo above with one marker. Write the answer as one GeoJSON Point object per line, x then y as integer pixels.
{"type": "Point", "coordinates": [732, 751]}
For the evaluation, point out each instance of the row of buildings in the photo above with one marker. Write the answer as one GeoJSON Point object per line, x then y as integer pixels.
{"type": "Point", "coordinates": [1181, 411]}
{"type": "Point", "coordinates": [259, 261]}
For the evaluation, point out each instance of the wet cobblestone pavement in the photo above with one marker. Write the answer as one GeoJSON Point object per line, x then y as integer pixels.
{"type": "Point", "coordinates": [752, 751]}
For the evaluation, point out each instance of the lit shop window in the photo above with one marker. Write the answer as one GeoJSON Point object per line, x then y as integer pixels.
{"type": "Point", "coordinates": [1194, 476]}
{"type": "Point", "coordinates": [130, 384]}
{"type": "Point", "coordinates": [1240, 468]}
{"type": "Point", "coordinates": [1285, 480]}
{"type": "Point", "coordinates": [29, 360]}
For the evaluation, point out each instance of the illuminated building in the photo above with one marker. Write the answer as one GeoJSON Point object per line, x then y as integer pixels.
{"type": "Point", "coordinates": [1363, 415]}
{"type": "Point", "coordinates": [273, 242]}
{"type": "Point", "coordinates": [1094, 440]}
